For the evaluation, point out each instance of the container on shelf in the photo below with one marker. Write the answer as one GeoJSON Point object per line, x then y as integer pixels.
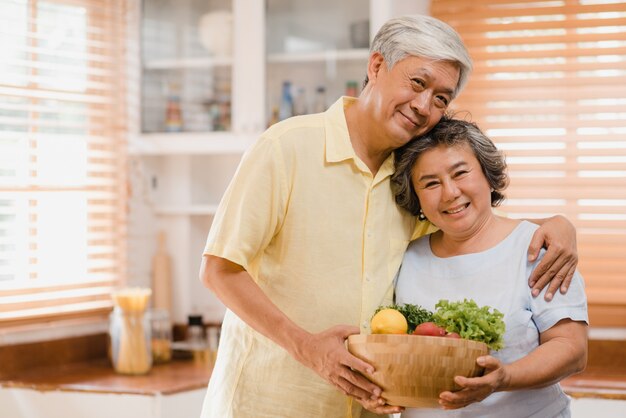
{"type": "Point", "coordinates": [161, 337]}
{"type": "Point", "coordinates": [197, 340]}
{"type": "Point", "coordinates": [215, 31]}
{"type": "Point", "coordinates": [319, 105]}
{"type": "Point", "coordinates": [286, 102]}
{"type": "Point", "coordinates": [173, 114]}
{"type": "Point", "coordinates": [300, 102]}
{"type": "Point", "coordinates": [130, 332]}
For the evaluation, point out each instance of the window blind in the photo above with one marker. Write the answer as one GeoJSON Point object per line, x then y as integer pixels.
{"type": "Point", "coordinates": [549, 88]}
{"type": "Point", "coordinates": [62, 157]}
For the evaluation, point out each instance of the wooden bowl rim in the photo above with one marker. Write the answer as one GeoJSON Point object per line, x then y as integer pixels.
{"type": "Point", "coordinates": [417, 339]}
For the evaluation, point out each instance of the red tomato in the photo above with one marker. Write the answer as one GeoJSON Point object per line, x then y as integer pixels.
{"type": "Point", "coordinates": [429, 328]}
{"type": "Point", "coordinates": [452, 335]}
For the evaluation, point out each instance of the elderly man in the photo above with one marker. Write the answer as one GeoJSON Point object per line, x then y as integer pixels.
{"type": "Point", "coordinates": [308, 239]}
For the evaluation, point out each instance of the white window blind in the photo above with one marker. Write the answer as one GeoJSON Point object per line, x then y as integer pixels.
{"type": "Point", "coordinates": [62, 157]}
{"type": "Point", "coordinates": [549, 88]}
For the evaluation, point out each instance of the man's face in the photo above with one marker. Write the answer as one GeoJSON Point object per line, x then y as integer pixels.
{"type": "Point", "coordinates": [410, 98]}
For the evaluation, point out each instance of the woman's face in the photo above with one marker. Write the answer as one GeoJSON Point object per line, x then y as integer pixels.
{"type": "Point", "coordinates": [453, 191]}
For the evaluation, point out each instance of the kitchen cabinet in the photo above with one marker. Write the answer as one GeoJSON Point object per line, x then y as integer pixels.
{"type": "Point", "coordinates": [212, 74]}
{"type": "Point", "coordinates": [29, 403]}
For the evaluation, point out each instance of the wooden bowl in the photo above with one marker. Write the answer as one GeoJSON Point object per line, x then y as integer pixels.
{"type": "Point", "coordinates": [413, 370]}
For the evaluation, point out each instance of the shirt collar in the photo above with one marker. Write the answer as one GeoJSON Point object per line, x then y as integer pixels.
{"type": "Point", "coordinates": [338, 145]}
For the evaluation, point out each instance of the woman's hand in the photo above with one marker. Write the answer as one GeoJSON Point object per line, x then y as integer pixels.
{"type": "Point", "coordinates": [558, 265]}
{"type": "Point", "coordinates": [477, 388]}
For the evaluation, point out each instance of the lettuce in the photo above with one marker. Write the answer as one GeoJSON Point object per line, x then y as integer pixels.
{"type": "Point", "coordinates": [471, 321]}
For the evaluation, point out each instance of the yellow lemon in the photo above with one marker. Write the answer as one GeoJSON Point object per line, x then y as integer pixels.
{"type": "Point", "coordinates": [389, 321]}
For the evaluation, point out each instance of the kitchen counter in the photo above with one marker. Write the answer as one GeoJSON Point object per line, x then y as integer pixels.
{"type": "Point", "coordinates": [72, 378]}
{"type": "Point", "coordinates": [182, 384]}
{"type": "Point", "coordinates": [183, 375]}
{"type": "Point", "coordinates": [97, 376]}
{"type": "Point", "coordinates": [597, 382]}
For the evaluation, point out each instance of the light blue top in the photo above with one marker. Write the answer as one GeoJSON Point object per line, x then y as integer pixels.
{"type": "Point", "coordinates": [497, 277]}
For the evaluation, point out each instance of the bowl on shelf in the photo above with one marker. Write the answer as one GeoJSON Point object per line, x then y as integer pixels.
{"type": "Point", "coordinates": [215, 32]}
{"type": "Point", "coordinates": [413, 370]}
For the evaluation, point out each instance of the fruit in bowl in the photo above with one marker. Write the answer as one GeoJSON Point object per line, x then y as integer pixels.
{"type": "Point", "coordinates": [415, 367]}
{"type": "Point", "coordinates": [389, 321]}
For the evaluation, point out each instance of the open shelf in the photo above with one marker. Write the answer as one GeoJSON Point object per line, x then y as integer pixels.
{"type": "Point", "coordinates": [191, 143]}
{"type": "Point", "coordinates": [186, 210]}
{"type": "Point", "coordinates": [188, 63]}
{"type": "Point", "coordinates": [321, 56]}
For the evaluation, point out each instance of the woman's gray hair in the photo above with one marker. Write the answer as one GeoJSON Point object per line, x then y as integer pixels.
{"type": "Point", "coordinates": [422, 36]}
{"type": "Point", "coordinates": [449, 132]}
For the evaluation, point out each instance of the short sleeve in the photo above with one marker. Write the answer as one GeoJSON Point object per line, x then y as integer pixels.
{"type": "Point", "coordinates": [572, 305]}
{"type": "Point", "coordinates": [253, 206]}
{"type": "Point", "coordinates": [423, 228]}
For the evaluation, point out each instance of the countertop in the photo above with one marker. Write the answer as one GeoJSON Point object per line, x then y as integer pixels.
{"type": "Point", "coordinates": [50, 367]}
{"type": "Point", "coordinates": [183, 375]}
{"type": "Point", "coordinates": [98, 376]}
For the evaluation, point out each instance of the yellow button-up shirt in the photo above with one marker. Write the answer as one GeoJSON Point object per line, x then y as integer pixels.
{"type": "Point", "coordinates": [324, 239]}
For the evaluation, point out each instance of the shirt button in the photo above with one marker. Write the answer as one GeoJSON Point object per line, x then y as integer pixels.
{"type": "Point", "coordinates": [367, 278]}
{"type": "Point", "coordinates": [365, 324]}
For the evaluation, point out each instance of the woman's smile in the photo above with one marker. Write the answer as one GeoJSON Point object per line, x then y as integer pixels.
{"type": "Point", "coordinates": [456, 209]}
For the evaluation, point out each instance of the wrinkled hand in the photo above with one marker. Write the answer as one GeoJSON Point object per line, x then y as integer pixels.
{"type": "Point", "coordinates": [327, 355]}
{"type": "Point", "coordinates": [477, 388]}
{"type": "Point", "coordinates": [558, 265]}
{"type": "Point", "coordinates": [379, 406]}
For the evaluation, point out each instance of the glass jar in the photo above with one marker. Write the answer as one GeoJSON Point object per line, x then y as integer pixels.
{"type": "Point", "coordinates": [130, 334]}
{"type": "Point", "coordinates": [196, 338]}
{"type": "Point", "coordinates": [161, 336]}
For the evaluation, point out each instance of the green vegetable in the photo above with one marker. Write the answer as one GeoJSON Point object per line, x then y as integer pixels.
{"type": "Point", "coordinates": [466, 318]}
{"type": "Point", "coordinates": [471, 321]}
{"type": "Point", "coordinates": [414, 314]}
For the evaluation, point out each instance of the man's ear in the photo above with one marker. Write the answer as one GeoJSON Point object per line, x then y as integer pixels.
{"type": "Point", "coordinates": [374, 65]}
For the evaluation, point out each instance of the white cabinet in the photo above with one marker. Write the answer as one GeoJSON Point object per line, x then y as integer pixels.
{"type": "Point", "coordinates": [30, 403]}
{"type": "Point", "coordinates": [201, 106]}
{"type": "Point", "coordinates": [212, 71]}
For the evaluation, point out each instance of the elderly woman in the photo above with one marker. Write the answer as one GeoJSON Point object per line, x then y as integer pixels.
{"type": "Point", "coordinates": [453, 177]}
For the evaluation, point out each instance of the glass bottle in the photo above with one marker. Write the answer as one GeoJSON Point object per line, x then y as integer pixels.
{"type": "Point", "coordinates": [319, 105]}
{"type": "Point", "coordinates": [286, 102]}
{"type": "Point", "coordinates": [299, 102]}
{"type": "Point", "coordinates": [195, 331]}
{"type": "Point", "coordinates": [196, 338]}
{"type": "Point", "coordinates": [161, 336]}
{"type": "Point", "coordinates": [173, 111]}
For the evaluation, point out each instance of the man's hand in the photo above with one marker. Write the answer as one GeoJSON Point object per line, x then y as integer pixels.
{"type": "Point", "coordinates": [327, 355]}
{"type": "Point", "coordinates": [558, 265]}
{"type": "Point", "coordinates": [380, 407]}
{"type": "Point", "coordinates": [477, 388]}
